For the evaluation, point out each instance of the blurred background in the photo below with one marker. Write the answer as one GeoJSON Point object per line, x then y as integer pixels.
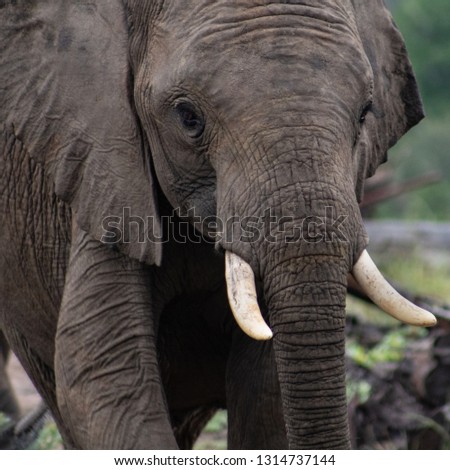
{"type": "Point", "coordinates": [425, 25]}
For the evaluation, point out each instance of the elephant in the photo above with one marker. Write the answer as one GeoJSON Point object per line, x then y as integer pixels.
{"type": "Point", "coordinates": [185, 176]}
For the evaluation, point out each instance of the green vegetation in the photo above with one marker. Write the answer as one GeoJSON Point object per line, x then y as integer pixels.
{"type": "Point", "coordinates": [359, 390]}
{"type": "Point", "coordinates": [391, 349]}
{"type": "Point", "coordinates": [4, 420]}
{"type": "Point", "coordinates": [418, 276]}
{"type": "Point", "coordinates": [214, 436]}
{"type": "Point", "coordinates": [49, 438]}
{"type": "Point", "coordinates": [426, 30]}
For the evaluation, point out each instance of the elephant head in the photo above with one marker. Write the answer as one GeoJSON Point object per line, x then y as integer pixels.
{"type": "Point", "coordinates": [271, 114]}
{"type": "Point", "coordinates": [285, 108]}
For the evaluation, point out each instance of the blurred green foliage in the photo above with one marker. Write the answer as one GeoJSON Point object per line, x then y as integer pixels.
{"type": "Point", "coordinates": [420, 277]}
{"type": "Point", "coordinates": [4, 420]}
{"type": "Point", "coordinates": [425, 26]}
{"type": "Point", "coordinates": [359, 390]}
{"type": "Point", "coordinates": [214, 436]}
{"type": "Point", "coordinates": [391, 349]}
{"type": "Point", "coordinates": [49, 438]}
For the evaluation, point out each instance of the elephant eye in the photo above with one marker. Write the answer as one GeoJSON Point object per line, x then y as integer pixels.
{"type": "Point", "coordinates": [190, 120]}
{"type": "Point", "coordinates": [365, 111]}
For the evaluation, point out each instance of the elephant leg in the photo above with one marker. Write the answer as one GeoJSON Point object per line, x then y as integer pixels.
{"type": "Point", "coordinates": [188, 425]}
{"type": "Point", "coordinates": [255, 416]}
{"type": "Point", "coordinates": [108, 381]}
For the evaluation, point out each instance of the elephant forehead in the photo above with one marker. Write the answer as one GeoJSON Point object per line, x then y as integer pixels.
{"type": "Point", "coordinates": [251, 42]}
{"type": "Point", "coordinates": [197, 12]}
{"type": "Point", "coordinates": [224, 22]}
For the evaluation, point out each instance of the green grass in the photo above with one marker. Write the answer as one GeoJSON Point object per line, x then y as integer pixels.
{"type": "Point", "coordinates": [419, 276]}
{"type": "Point", "coordinates": [49, 438]}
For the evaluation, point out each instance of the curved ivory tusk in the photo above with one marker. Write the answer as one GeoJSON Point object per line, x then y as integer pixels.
{"type": "Point", "coordinates": [386, 297]}
{"type": "Point", "coordinates": [242, 297]}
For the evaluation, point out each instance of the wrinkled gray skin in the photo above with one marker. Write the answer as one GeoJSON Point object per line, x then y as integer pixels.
{"type": "Point", "coordinates": [230, 108]}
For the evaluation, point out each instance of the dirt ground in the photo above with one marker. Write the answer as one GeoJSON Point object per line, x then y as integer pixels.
{"type": "Point", "coordinates": [25, 391]}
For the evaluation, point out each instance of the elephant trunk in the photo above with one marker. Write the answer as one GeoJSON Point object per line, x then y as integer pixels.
{"type": "Point", "coordinates": [307, 316]}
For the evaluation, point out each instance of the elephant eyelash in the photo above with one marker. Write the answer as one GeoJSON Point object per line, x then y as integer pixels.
{"type": "Point", "coordinates": [364, 113]}
{"type": "Point", "coordinates": [362, 120]}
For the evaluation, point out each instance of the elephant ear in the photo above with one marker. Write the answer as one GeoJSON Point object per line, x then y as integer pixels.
{"type": "Point", "coordinates": [397, 105]}
{"type": "Point", "coordinates": [66, 99]}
